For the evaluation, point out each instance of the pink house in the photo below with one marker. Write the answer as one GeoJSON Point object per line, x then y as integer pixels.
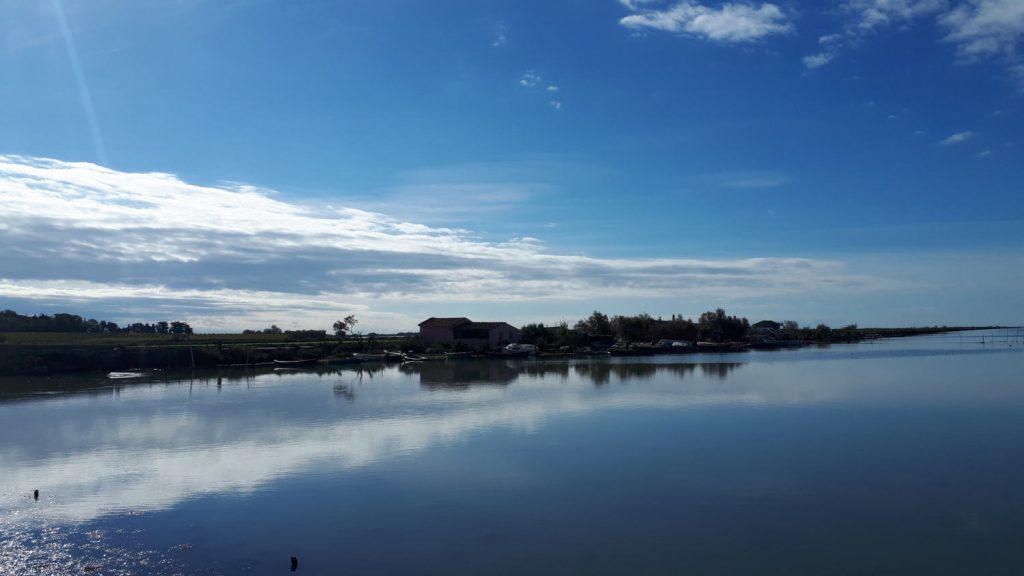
{"type": "Point", "coordinates": [474, 334]}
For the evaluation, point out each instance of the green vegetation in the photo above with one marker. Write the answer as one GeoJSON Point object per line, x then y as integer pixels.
{"type": "Point", "coordinates": [714, 326]}
{"type": "Point", "coordinates": [67, 343]}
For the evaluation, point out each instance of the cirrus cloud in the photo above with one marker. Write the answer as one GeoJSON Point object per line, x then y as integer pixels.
{"type": "Point", "coordinates": [980, 29]}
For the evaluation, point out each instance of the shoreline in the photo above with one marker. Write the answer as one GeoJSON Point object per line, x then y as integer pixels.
{"type": "Point", "coordinates": [27, 354]}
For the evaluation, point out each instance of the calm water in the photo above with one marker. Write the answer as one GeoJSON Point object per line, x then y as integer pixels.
{"type": "Point", "coordinates": [893, 457]}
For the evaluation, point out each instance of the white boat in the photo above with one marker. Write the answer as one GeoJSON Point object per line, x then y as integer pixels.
{"type": "Point", "coordinates": [519, 350]}
{"type": "Point", "coordinates": [126, 375]}
{"type": "Point", "coordinates": [370, 357]}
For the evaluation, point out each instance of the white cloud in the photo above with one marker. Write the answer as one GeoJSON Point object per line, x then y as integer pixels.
{"type": "Point", "coordinates": [529, 79]}
{"type": "Point", "coordinates": [500, 38]}
{"type": "Point", "coordinates": [817, 60]}
{"type": "Point", "coordinates": [638, 4]}
{"type": "Point", "coordinates": [982, 28]}
{"type": "Point", "coordinates": [979, 28]}
{"type": "Point", "coordinates": [728, 22]}
{"type": "Point", "coordinates": [866, 17]}
{"type": "Point", "coordinates": [984, 153]}
{"type": "Point", "coordinates": [552, 88]}
{"type": "Point", "coordinates": [144, 246]}
{"type": "Point", "coordinates": [958, 138]}
{"type": "Point", "coordinates": [555, 104]}
{"type": "Point", "coordinates": [870, 15]}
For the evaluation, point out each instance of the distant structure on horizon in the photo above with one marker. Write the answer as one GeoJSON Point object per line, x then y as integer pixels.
{"type": "Point", "coordinates": [766, 328]}
{"type": "Point", "coordinates": [454, 330]}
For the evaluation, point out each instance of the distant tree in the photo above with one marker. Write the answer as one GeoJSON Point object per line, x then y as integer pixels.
{"type": "Point", "coordinates": [718, 325]}
{"type": "Point", "coordinates": [180, 328]}
{"type": "Point", "coordinates": [534, 334]}
{"type": "Point", "coordinates": [597, 324]}
{"type": "Point", "coordinates": [561, 333]}
{"type": "Point", "coordinates": [162, 327]}
{"type": "Point", "coordinates": [343, 327]}
{"type": "Point", "coordinates": [633, 328]}
{"type": "Point", "coordinates": [791, 328]}
{"type": "Point", "coordinates": [708, 324]}
{"type": "Point", "coordinates": [68, 323]}
{"type": "Point", "coordinates": [822, 332]}
{"type": "Point", "coordinates": [272, 330]}
{"type": "Point", "coordinates": [677, 328]}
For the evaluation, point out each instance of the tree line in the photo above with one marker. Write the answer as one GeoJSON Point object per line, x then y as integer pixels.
{"type": "Point", "coordinates": [11, 321]}
{"type": "Point", "coordinates": [715, 326]}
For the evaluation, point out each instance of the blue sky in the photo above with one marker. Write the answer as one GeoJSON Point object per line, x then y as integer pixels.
{"type": "Point", "coordinates": [238, 164]}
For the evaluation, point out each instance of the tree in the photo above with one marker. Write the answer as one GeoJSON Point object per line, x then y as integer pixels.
{"type": "Point", "coordinates": [534, 334]}
{"type": "Point", "coordinates": [718, 325]}
{"type": "Point", "coordinates": [791, 328]}
{"type": "Point", "coordinates": [822, 332]}
{"type": "Point", "coordinates": [633, 328]}
{"type": "Point", "coordinates": [179, 328]}
{"type": "Point", "coordinates": [342, 327]}
{"type": "Point", "coordinates": [596, 325]}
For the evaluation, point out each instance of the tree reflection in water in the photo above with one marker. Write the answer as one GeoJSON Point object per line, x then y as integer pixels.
{"type": "Point", "coordinates": [464, 374]}
{"type": "Point", "coordinates": [432, 375]}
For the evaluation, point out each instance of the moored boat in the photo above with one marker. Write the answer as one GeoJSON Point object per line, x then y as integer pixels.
{"type": "Point", "coordinates": [289, 363]}
{"type": "Point", "coordinates": [128, 375]}
{"type": "Point", "coordinates": [518, 351]}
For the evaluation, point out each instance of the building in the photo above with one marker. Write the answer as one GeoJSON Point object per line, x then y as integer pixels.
{"type": "Point", "coordinates": [464, 330]}
{"type": "Point", "coordinates": [766, 328]}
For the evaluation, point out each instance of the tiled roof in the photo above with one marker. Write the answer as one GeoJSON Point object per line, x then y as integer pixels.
{"type": "Point", "coordinates": [443, 322]}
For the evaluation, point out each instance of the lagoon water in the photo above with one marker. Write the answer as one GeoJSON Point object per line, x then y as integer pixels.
{"type": "Point", "coordinates": [902, 456]}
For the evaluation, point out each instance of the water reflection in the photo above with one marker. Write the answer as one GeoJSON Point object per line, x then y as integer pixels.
{"type": "Point", "coordinates": [162, 442]}
{"type": "Point", "coordinates": [464, 374]}
{"type": "Point", "coordinates": [461, 374]}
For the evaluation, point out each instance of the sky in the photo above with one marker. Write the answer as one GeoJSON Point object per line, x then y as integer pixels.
{"type": "Point", "coordinates": [237, 164]}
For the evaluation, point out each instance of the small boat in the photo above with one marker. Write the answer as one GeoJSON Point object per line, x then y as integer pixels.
{"type": "Point", "coordinates": [518, 351]}
{"type": "Point", "coordinates": [289, 363]}
{"type": "Point", "coordinates": [127, 375]}
{"type": "Point", "coordinates": [713, 346]}
{"type": "Point", "coordinates": [370, 357]}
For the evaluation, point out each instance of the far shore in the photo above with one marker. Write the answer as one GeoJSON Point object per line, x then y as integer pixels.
{"type": "Point", "coordinates": [57, 352]}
